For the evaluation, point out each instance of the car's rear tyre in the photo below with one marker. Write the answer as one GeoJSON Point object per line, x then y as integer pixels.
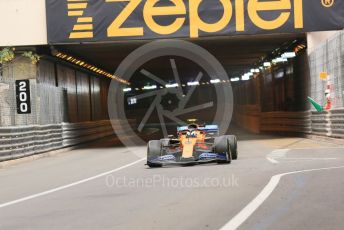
{"type": "Point", "coordinates": [153, 152]}
{"type": "Point", "coordinates": [222, 146]}
{"type": "Point", "coordinates": [232, 140]}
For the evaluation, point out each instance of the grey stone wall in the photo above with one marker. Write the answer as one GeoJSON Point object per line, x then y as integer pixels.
{"type": "Point", "coordinates": [59, 94]}
{"type": "Point", "coordinates": [328, 57]}
{"type": "Point", "coordinates": [20, 68]}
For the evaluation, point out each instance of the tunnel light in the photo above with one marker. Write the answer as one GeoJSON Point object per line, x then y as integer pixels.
{"type": "Point", "coordinates": [215, 81]}
{"type": "Point", "coordinates": [246, 76]}
{"type": "Point", "coordinates": [288, 55]}
{"type": "Point", "coordinates": [175, 85]}
{"type": "Point", "coordinates": [235, 79]}
{"type": "Point", "coordinates": [126, 89]}
{"type": "Point", "coordinates": [267, 64]}
{"type": "Point", "coordinates": [89, 67]}
{"type": "Point", "coordinates": [132, 101]}
{"type": "Point", "coordinates": [279, 60]}
{"type": "Point", "coordinates": [193, 83]}
{"type": "Point", "coordinates": [149, 87]}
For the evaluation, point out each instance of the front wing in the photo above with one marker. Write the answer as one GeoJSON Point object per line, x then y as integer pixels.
{"type": "Point", "coordinates": [198, 158]}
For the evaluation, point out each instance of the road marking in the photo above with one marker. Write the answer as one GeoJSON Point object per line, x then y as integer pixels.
{"type": "Point", "coordinates": [281, 154]}
{"type": "Point", "coordinates": [276, 154]}
{"type": "Point", "coordinates": [310, 158]}
{"type": "Point", "coordinates": [247, 211]}
{"type": "Point", "coordinates": [317, 148]}
{"type": "Point", "coordinates": [272, 160]}
{"type": "Point", "coordinates": [69, 185]}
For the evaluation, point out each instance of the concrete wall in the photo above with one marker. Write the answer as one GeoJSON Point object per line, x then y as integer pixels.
{"type": "Point", "coordinates": [23, 22]}
{"type": "Point", "coordinates": [276, 93]}
{"type": "Point", "coordinates": [59, 93]}
{"type": "Point", "coordinates": [316, 39]}
{"type": "Point", "coordinates": [85, 95]}
{"type": "Point", "coordinates": [20, 68]}
{"type": "Point", "coordinates": [328, 56]}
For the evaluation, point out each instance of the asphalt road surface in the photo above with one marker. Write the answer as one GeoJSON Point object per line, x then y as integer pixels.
{"type": "Point", "coordinates": [277, 183]}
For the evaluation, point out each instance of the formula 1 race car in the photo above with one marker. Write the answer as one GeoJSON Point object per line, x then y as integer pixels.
{"type": "Point", "coordinates": [194, 145]}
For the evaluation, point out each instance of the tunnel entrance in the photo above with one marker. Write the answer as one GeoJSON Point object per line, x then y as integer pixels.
{"type": "Point", "coordinates": [265, 83]}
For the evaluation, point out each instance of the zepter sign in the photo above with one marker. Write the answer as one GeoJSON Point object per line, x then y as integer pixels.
{"type": "Point", "coordinates": [106, 20]}
{"type": "Point", "coordinates": [197, 24]}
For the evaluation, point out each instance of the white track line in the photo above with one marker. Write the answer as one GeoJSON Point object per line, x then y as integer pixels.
{"type": "Point", "coordinates": [272, 160]}
{"type": "Point", "coordinates": [310, 158]}
{"type": "Point", "coordinates": [276, 154]}
{"type": "Point", "coordinates": [317, 148]}
{"type": "Point", "coordinates": [68, 185]}
{"type": "Point", "coordinates": [246, 212]}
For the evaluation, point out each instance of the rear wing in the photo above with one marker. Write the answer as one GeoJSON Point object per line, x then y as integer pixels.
{"type": "Point", "coordinates": [208, 128]}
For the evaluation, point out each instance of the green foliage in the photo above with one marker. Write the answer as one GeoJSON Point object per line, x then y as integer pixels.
{"type": "Point", "coordinates": [6, 55]}
{"type": "Point", "coordinates": [32, 56]}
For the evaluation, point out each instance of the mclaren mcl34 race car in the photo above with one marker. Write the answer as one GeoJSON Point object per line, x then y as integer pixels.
{"type": "Point", "coordinates": [194, 144]}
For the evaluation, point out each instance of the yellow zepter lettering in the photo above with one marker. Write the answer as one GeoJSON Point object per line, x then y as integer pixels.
{"type": "Point", "coordinates": [115, 30]}
{"type": "Point", "coordinates": [84, 27]}
{"type": "Point", "coordinates": [150, 10]}
{"type": "Point", "coordinates": [255, 6]}
{"type": "Point", "coordinates": [197, 24]}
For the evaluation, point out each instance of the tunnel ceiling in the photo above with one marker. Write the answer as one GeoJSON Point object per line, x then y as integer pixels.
{"type": "Point", "coordinates": [235, 53]}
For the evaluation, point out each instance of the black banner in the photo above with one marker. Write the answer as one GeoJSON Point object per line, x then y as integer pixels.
{"type": "Point", "coordinates": [77, 21]}
{"type": "Point", "coordinates": [23, 96]}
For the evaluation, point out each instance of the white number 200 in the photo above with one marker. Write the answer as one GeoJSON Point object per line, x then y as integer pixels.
{"type": "Point", "coordinates": [23, 106]}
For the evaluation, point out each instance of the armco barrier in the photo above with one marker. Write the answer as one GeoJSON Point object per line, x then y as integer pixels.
{"type": "Point", "coordinates": [251, 118]}
{"type": "Point", "coordinates": [328, 123]}
{"type": "Point", "coordinates": [294, 122]}
{"type": "Point", "coordinates": [17, 142]}
{"type": "Point", "coordinates": [77, 133]}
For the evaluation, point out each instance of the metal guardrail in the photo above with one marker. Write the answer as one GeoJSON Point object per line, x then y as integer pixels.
{"type": "Point", "coordinates": [77, 133]}
{"type": "Point", "coordinates": [18, 142]}
{"type": "Point", "coordinates": [251, 118]}
{"type": "Point", "coordinates": [22, 141]}
{"type": "Point", "coordinates": [295, 122]}
{"type": "Point", "coordinates": [328, 123]}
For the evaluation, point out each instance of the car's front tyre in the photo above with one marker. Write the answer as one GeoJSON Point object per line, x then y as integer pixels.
{"type": "Point", "coordinates": [221, 146]}
{"type": "Point", "coordinates": [232, 140]}
{"type": "Point", "coordinates": [153, 152]}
